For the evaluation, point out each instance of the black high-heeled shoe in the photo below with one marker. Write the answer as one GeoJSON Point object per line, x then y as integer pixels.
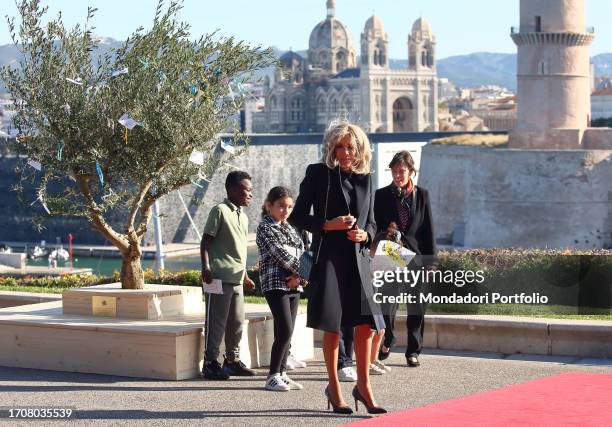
{"type": "Point", "coordinates": [383, 355]}
{"type": "Point", "coordinates": [346, 410]}
{"type": "Point", "coordinates": [376, 410]}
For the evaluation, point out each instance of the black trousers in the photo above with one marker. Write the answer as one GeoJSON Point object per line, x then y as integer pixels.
{"type": "Point", "coordinates": [284, 306]}
{"type": "Point", "coordinates": [415, 326]}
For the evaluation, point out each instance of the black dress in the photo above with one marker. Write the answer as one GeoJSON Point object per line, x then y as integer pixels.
{"type": "Point", "coordinates": [342, 289]}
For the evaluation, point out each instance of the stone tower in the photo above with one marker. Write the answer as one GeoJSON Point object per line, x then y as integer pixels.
{"type": "Point", "coordinates": [374, 44]}
{"type": "Point", "coordinates": [553, 75]}
{"type": "Point", "coordinates": [421, 46]}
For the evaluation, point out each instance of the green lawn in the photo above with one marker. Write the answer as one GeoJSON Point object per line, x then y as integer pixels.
{"type": "Point", "coordinates": [35, 289]}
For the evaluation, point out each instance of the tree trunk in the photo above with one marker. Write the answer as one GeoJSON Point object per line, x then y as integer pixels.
{"type": "Point", "coordinates": [131, 270]}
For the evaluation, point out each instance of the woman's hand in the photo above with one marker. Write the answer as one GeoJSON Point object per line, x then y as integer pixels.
{"type": "Point", "coordinates": [357, 235]}
{"type": "Point", "coordinates": [207, 276]}
{"type": "Point", "coordinates": [248, 282]}
{"type": "Point", "coordinates": [293, 282]}
{"type": "Point", "coordinates": [340, 223]}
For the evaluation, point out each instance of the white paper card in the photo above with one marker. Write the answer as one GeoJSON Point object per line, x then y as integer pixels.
{"type": "Point", "coordinates": [214, 287]}
{"type": "Point", "coordinates": [36, 165]}
{"type": "Point", "coordinates": [229, 148]}
{"type": "Point", "coordinates": [197, 157]}
{"type": "Point", "coordinates": [120, 72]}
{"type": "Point", "coordinates": [129, 122]}
{"type": "Point", "coordinates": [390, 255]}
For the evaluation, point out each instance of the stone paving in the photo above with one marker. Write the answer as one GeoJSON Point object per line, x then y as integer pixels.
{"type": "Point", "coordinates": [103, 400]}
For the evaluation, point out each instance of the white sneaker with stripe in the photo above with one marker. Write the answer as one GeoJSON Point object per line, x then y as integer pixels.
{"type": "Point", "coordinates": [293, 385]}
{"type": "Point", "coordinates": [276, 383]}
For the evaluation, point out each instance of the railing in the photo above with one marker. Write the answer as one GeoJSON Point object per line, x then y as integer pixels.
{"type": "Point", "coordinates": [534, 29]}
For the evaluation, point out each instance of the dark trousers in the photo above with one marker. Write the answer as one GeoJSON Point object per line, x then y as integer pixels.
{"type": "Point", "coordinates": [415, 325]}
{"type": "Point", "coordinates": [345, 347]}
{"type": "Point", "coordinates": [284, 306]}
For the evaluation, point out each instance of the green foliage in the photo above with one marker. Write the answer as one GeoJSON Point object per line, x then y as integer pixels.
{"type": "Point", "coordinates": [602, 123]}
{"type": "Point", "coordinates": [180, 89]}
{"type": "Point", "coordinates": [57, 284]}
{"type": "Point", "coordinates": [474, 140]}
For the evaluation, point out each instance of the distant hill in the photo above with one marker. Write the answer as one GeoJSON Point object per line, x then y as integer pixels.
{"type": "Point", "coordinates": [603, 64]}
{"type": "Point", "coordinates": [481, 68]}
{"type": "Point", "coordinates": [470, 70]}
{"type": "Point", "coordinates": [498, 68]}
{"type": "Point", "coordinates": [10, 55]}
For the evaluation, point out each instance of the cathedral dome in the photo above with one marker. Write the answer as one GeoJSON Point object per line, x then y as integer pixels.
{"type": "Point", "coordinates": [331, 34]}
{"type": "Point", "coordinates": [291, 59]}
{"type": "Point", "coordinates": [331, 47]}
{"type": "Point", "coordinates": [374, 26]}
{"type": "Point", "coordinates": [422, 29]}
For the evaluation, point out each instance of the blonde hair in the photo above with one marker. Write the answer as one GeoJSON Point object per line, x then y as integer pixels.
{"type": "Point", "coordinates": [336, 131]}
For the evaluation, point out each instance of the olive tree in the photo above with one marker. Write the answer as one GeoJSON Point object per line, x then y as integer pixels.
{"type": "Point", "coordinates": [116, 131]}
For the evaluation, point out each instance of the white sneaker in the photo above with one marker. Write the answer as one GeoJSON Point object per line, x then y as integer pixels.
{"type": "Point", "coordinates": [381, 365]}
{"type": "Point", "coordinates": [289, 366]}
{"type": "Point", "coordinates": [375, 370]}
{"type": "Point", "coordinates": [293, 385]}
{"type": "Point", "coordinates": [275, 383]}
{"type": "Point", "coordinates": [296, 363]}
{"type": "Point", "coordinates": [347, 375]}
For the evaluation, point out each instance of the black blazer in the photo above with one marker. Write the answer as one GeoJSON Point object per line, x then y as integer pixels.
{"type": "Point", "coordinates": [313, 190]}
{"type": "Point", "coordinates": [419, 237]}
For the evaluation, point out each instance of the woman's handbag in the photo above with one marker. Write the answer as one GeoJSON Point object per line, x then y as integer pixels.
{"type": "Point", "coordinates": [306, 262]}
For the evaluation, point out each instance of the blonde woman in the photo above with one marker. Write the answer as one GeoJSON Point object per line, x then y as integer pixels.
{"type": "Point", "coordinates": [339, 190]}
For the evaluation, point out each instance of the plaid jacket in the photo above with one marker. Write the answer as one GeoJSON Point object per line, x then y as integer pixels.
{"type": "Point", "coordinates": [280, 248]}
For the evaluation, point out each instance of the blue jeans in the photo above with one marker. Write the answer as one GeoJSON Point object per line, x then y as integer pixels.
{"type": "Point", "coordinates": [345, 347]}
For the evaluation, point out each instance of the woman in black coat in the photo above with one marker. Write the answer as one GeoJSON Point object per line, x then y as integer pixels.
{"type": "Point", "coordinates": [408, 206]}
{"type": "Point", "coordinates": [340, 193]}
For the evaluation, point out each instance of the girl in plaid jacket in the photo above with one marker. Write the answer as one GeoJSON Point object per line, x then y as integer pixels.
{"type": "Point", "coordinates": [280, 248]}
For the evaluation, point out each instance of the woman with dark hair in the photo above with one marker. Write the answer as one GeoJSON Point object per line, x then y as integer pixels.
{"type": "Point", "coordinates": [280, 248]}
{"type": "Point", "coordinates": [406, 206]}
{"type": "Point", "coordinates": [339, 191]}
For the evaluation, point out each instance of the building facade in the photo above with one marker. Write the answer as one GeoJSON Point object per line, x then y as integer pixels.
{"type": "Point", "coordinates": [601, 101]}
{"type": "Point", "coordinates": [333, 82]}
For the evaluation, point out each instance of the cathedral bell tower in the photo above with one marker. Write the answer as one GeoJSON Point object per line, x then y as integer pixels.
{"type": "Point", "coordinates": [374, 44]}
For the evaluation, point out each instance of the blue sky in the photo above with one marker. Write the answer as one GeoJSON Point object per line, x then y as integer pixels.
{"type": "Point", "coordinates": [461, 27]}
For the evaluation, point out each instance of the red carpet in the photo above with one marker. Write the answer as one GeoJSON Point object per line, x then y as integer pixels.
{"type": "Point", "coordinates": [570, 399]}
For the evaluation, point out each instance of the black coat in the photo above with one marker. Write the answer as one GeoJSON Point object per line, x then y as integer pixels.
{"type": "Point", "coordinates": [313, 194]}
{"type": "Point", "coordinates": [419, 237]}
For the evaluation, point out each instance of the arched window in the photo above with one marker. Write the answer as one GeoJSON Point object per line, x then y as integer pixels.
{"type": "Point", "coordinates": [423, 59]}
{"type": "Point", "coordinates": [297, 105]}
{"type": "Point", "coordinates": [321, 106]}
{"type": "Point", "coordinates": [334, 106]}
{"type": "Point", "coordinates": [412, 57]}
{"type": "Point", "coordinates": [347, 105]}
